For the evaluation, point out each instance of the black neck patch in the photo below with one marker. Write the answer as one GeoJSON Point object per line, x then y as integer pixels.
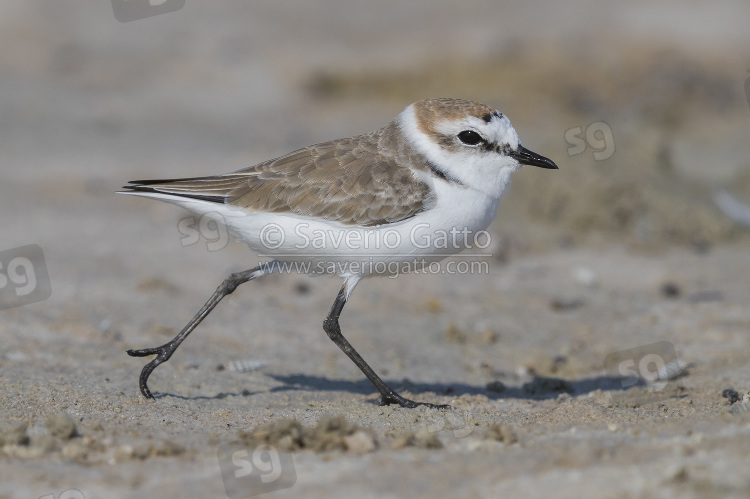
{"type": "Point", "coordinates": [442, 175]}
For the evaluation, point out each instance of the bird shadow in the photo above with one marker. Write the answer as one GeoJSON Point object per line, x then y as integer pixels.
{"type": "Point", "coordinates": [539, 388]}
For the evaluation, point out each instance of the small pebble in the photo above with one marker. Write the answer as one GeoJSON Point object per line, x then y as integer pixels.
{"type": "Point", "coordinates": [731, 395]}
{"type": "Point", "coordinates": [670, 290]}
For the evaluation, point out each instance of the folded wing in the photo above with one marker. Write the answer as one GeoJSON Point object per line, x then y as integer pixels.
{"type": "Point", "coordinates": [354, 181]}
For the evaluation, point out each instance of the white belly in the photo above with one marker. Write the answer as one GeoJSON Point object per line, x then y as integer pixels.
{"type": "Point", "coordinates": [458, 221]}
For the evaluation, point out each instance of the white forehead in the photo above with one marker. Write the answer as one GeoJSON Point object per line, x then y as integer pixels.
{"type": "Point", "coordinates": [498, 130]}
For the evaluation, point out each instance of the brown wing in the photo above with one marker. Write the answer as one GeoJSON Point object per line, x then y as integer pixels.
{"type": "Point", "coordinates": [356, 181]}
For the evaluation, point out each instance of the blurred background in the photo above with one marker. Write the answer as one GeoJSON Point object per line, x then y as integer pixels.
{"type": "Point", "coordinates": [88, 103]}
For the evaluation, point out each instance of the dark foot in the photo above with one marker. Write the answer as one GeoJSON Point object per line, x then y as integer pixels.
{"type": "Point", "coordinates": [163, 353]}
{"type": "Point", "coordinates": [395, 398]}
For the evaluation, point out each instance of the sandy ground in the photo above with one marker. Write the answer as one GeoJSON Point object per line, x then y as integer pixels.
{"type": "Point", "coordinates": [618, 263]}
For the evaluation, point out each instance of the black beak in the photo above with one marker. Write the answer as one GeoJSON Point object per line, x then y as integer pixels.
{"type": "Point", "coordinates": [526, 157]}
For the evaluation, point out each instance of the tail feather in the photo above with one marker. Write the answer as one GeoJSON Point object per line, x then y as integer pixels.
{"type": "Point", "coordinates": [216, 189]}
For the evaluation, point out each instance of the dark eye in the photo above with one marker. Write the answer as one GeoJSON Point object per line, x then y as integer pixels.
{"type": "Point", "coordinates": [470, 137]}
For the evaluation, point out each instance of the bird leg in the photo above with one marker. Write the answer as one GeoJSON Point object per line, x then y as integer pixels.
{"type": "Point", "coordinates": [332, 328]}
{"type": "Point", "coordinates": [164, 352]}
